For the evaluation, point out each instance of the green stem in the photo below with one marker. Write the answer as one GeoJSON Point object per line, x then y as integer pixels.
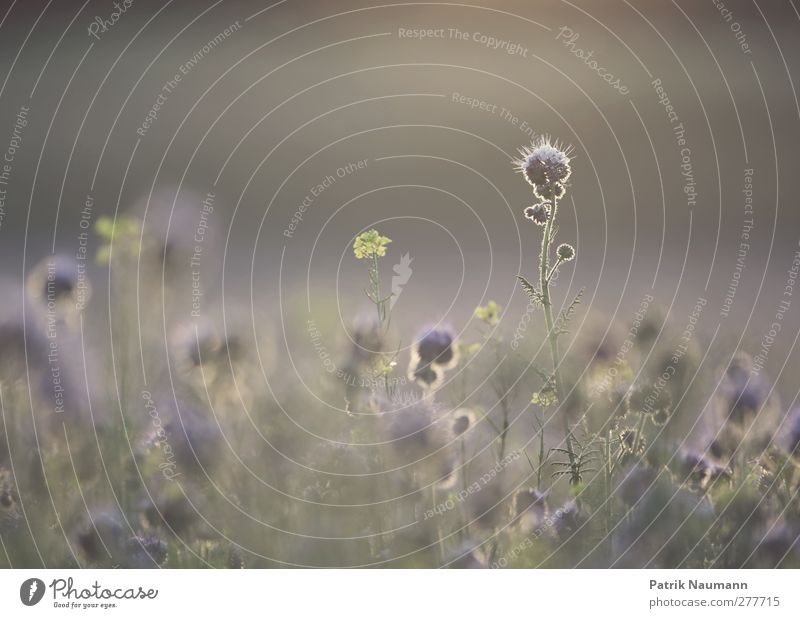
{"type": "Point", "coordinates": [541, 456]}
{"type": "Point", "coordinates": [607, 479]}
{"type": "Point", "coordinates": [553, 270]}
{"type": "Point", "coordinates": [376, 288]}
{"type": "Point", "coordinates": [639, 431]}
{"type": "Point", "coordinates": [504, 432]}
{"type": "Point", "coordinates": [552, 335]}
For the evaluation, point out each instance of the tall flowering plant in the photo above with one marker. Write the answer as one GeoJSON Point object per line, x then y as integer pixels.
{"type": "Point", "coordinates": [546, 167]}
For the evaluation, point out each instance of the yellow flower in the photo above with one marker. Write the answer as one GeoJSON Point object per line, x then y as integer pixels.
{"type": "Point", "coordinates": [370, 244]}
{"type": "Point", "coordinates": [545, 398]}
{"type": "Point", "coordinates": [124, 233]}
{"type": "Point", "coordinates": [490, 313]}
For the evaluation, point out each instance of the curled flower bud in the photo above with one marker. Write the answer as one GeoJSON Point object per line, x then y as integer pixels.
{"type": "Point", "coordinates": [565, 252]}
{"type": "Point", "coordinates": [538, 213]}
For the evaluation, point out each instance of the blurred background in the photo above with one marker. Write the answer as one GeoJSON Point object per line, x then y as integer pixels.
{"type": "Point", "coordinates": [305, 88]}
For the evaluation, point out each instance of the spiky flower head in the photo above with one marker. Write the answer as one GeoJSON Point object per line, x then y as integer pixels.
{"type": "Point", "coordinates": [425, 374]}
{"type": "Point", "coordinates": [370, 244]}
{"type": "Point", "coordinates": [544, 164]}
{"type": "Point", "coordinates": [463, 419]}
{"type": "Point", "coordinates": [57, 284]}
{"type": "Point", "coordinates": [435, 346]}
{"type": "Point", "coordinates": [627, 439]}
{"type": "Point", "coordinates": [565, 252]}
{"type": "Point", "coordinates": [538, 213]}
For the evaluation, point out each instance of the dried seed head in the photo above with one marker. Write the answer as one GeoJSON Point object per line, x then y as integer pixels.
{"type": "Point", "coordinates": [565, 252]}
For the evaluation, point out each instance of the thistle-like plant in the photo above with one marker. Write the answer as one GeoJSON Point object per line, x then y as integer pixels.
{"type": "Point", "coordinates": [546, 167]}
